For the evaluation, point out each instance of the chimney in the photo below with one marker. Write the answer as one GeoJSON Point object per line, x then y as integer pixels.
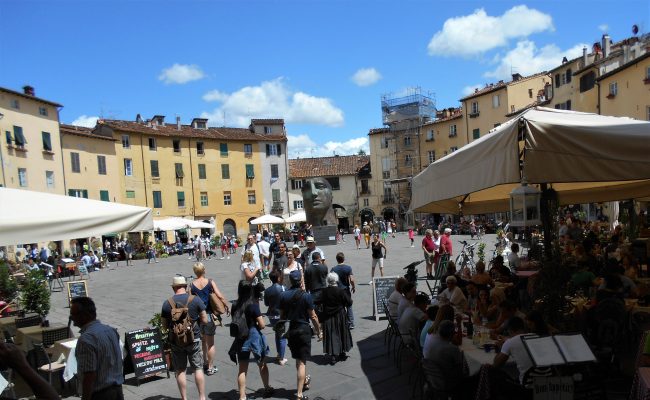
{"type": "Point", "coordinates": [584, 57]}
{"type": "Point", "coordinates": [606, 45]}
{"type": "Point", "coordinates": [178, 123]}
{"type": "Point", "coordinates": [138, 119]}
{"type": "Point", "coordinates": [516, 76]}
{"type": "Point", "coordinates": [28, 90]}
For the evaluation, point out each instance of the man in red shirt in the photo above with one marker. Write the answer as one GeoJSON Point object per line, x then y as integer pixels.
{"type": "Point", "coordinates": [429, 247]}
{"type": "Point", "coordinates": [445, 243]}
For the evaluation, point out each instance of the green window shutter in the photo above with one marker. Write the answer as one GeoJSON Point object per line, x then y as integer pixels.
{"type": "Point", "coordinates": [202, 174]}
{"type": "Point", "coordinates": [10, 139]}
{"type": "Point", "coordinates": [103, 195]}
{"type": "Point", "coordinates": [18, 136]}
{"type": "Point", "coordinates": [47, 141]}
{"type": "Point", "coordinates": [179, 170]}
{"type": "Point", "coordinates": [85, 193]}
{"type": "Point", "coordinates": [157, 199]}
{"type": "Point", "coordinates": [181, 198]}
{"type": "Point", "coordinates": [279, 149]}
{"type": "Point", "coordinates": [225, 171]}
{"type": "Point", "coordinates": [250, 171]}
{"type": "Point", "coordinates": [154, 169]}
{"type": "Point", "coordinates": [476, 133]}
{"type": "Point", "coordinates": [223, 147]}
{"type": "Point", "coordinates": [72, 192]}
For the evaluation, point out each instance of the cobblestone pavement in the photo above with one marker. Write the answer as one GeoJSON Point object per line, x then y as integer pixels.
{"type": "Point", "coordinates": [127, 297]}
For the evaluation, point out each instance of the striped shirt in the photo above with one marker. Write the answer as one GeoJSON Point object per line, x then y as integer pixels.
{"type": "Point", "coordinates": [98, 350]}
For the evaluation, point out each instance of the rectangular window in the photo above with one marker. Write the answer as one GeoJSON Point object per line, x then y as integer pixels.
{"type": "Point", "coordinates": [648, 112]}
{"type": "Point", "coordinates": [155, 172]}
{"type": "Point", "coordinates": [557, 80]}
{"type": "Point", "coordinates": [647, 73]}
{"type": "Point", "coordinates": [587, 81]}
{"type": "Point", "coordinates": [432, 156]}
{"type": "Point", "coordinates": [153, 146]}
{"type": "Point", "coordinates": [81, 193]}
{"type": "Point", "coordinates": [530, 93]}
{"type": "Point", "coordinates": [202, 173]}
{"type": "Point", "coordinates": [365, 189]}
{"type": "Point", "coordinates": [227, 198]}
{"type": "Point", "coordinates": [385, 174]}
{"type": "Point", "coordinates": [177, 145]}
{"type": "Point", "coordinates": [495, 101]}
{"type": "Point", "coordinates": [275, 195]}
{"type": "Point", "coordinates": [10, 139]}
{"type": "Point", "coordinates": [296, 184]}
{"type": "Point", "coordinates": [204, 199]}
{"type": "Point", "coordinates": [267, 130]}
{"type": "Point", "coordinates": [250, 171]}
{"type": "Point", "coordinates": [15, 104]}
{"type": "Point", "coordinates": [76, 166]}
{"type": "Point", "coordinates": [475, 107]}
{"type": "Point", "coordinates": [407, 141]}
{"type": "Point", "coordinates": [273, 149]}
{"type": "Point", "coordinates": [568, 104]}
{"type": "Point", "coordinates": [408, 159]}
{"type": "Point", "coordinates": [385, 143]}
{"type": "Point", "coordinates": [178, 170]}
{"type": "Point", "coordinates": [225, 171]}
{"type": "Point", "coordinates": [130, 194]}
{"type": "Point", "coordinates": [275, 174]}
{"type": "Point", "coordinates": [128, 167]}
{"type": "Point", "coordinates": [101, 165]}
{"type": "Point", "coordinates": [430, 136]}
{"type": "Point", "coordinates": [157, 199]}
{"type": "Point", "coordinates": [613, 89]}
{"type": "Point", "coordinates": [103, 195]}
{"type": "Point", "coordinates": [562, 81]}
{"type": "Point", "coordinates": [19, 138]}
{"type": "Point", "coordinates": [452, 131]}
{"type": "Point", "coordinates": [180, 197]}
{"type": "Point", "coordinates": [476, 133]}
{"type": "Point", "coordinates": [22, 177]}
{"type": "Point", "coordinates": [453, 148]}
{"type": "Point", "coordinates": [248, 149]}
{"type": "Point", "coordinates": [297, 205]}
{"type": "Point", "coordinates": [126, 141]}
{"type": "Point", "coordinates": [251, 197]}
{"type": "Point", "coordinates": [223, 149]}
{"type": "Point", "coordinates": [200, 149]}
{"type": "Point", "coordinates": [334, 182]}
{"type": "Point", "coordinates": [568, 75]}
{"type": "Point", "coordinates": [385, 164]}
{"type": "Point", "coordinates": [49, 179]}
{"type": "Point", "coordinates": [366, 202]}
{"type": "Point", "coordinates": [47, 141]}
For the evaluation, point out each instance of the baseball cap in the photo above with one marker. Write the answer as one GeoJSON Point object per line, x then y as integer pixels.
{"type": "Point", "coordinates": [310, 239]}
{"type": "Point", "coordinates": [295, 276]}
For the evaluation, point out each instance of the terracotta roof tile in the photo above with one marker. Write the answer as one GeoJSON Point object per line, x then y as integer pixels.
{"type": "Point", "coordinates": [66, 129]}
{"type": "Point", "coordinates": [270, 121]}
{"type": "Point", "coordinates": [327, 166]}
{"type": "Point", "coordinates": [26, 96]}
{"type": "Point", "coordinates": [376, 131]}
{"type": "Point", "coordinates": [500, 85]}
{"type": "Point", "coordinates": [458, 113]}
{"type": "Point", "coordinates": [535, 103]}
{"type": "Point", "coordinates": [171, 130]}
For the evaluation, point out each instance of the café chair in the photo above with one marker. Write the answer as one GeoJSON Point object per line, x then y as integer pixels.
{"type": "Point", "coordinates": [51, 336]}
{"type": "Point", "coordinates": [45, 364]}
{"type": "Point", "coordinates": [25, 322]}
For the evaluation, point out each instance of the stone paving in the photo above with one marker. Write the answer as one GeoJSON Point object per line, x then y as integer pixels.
{"type": "Point", "coordinates": [127, 297]}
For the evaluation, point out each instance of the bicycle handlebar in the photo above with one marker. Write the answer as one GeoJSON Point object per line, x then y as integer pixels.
{"type": "Point", "coordinates": [414, 264]}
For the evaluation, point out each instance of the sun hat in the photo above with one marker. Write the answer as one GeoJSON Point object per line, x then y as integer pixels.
{"type": "Point", "coordinates": [447, 230]}
{"type": "Point", "coordinates": [179, 281]}
{"type": "Point", "coordinates": [295, 246]}
{"type": "Point", "coordinates": [310, 239]}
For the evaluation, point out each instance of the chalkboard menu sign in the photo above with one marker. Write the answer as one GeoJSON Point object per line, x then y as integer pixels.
{"type": "Point", "coordinates": [382, 287]}
{"type": "Point", "coordinates": [145, 348]}
{"type": "Point", "coordinates": [77, 289]}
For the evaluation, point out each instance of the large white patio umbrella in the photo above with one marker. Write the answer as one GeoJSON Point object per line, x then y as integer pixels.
{"type": "Point", "coordinates": [30, 217]}
{"type": "Point", "coordinates": [169, 224]}
{"type": "Point", "coordinates": [267, 219]}
{"type": "Point", "coordinates": [584, 157]}
{"type": "Point", "coordinates": [297, 217]}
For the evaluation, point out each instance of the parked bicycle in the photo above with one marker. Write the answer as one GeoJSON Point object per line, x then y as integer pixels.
{"type": "Point", "coordinates": [466, 257]}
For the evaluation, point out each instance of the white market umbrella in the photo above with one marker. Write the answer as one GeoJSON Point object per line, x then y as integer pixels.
{"type": "Point", "coordinates": [297, 217]}
{"type": "Point", "coordinates": [28, 217]}
{"type": "Point", "coordinates": [169, 224]}
{"type": "Point", "coordinates": [267, 219]}
{"type": "Point", "coordinates": [198, 224]}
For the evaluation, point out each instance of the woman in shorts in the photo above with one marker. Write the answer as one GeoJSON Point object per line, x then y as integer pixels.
{"type": "Point", "coordinates": [379, 252]}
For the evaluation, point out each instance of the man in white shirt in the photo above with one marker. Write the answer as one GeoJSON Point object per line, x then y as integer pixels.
{"type": "Point", "coordinates": [513, 258]}
{"type": "Point", "coordinates": [254, 248]}
{"type": "Point", "coordinates": [265, 256]}
{"type": "Point", "coordinates": [514, 347]}
{"type": "Point", "coordinates": [453, 295]}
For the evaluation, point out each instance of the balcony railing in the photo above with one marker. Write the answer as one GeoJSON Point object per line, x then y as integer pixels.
{"type": "Point", "coordinates": [365, 191]}
{"type": "Point", "coordinates": [388, 200]}
{"type": "Point", "coordinates": [277, 206]}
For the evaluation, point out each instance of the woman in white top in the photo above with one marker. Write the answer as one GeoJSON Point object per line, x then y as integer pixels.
{"type": "Point", "coordinates": [248, 268]}
{"type": "Point", "coordinates": [292, 265]}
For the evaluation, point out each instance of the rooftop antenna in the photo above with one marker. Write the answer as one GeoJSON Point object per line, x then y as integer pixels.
{"type": "Point", "coordinates": [224, 119]}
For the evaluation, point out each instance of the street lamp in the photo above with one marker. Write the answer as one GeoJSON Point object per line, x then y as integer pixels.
{"type": "Point", "coordinates": [524, 205]}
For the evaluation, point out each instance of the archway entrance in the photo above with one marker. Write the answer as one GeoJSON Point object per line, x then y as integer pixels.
{"type": "Point", "coordinates": [389, 214]}
{"type": "Point", "coordinates": [229, 227]}
{"type": "Point", "coordinates": [366, 215]}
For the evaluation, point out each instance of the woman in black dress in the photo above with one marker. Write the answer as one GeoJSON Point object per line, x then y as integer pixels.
{"type": "Point", "coordinates": [337, 339]}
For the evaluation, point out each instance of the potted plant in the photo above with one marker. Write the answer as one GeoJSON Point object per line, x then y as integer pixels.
{"type": "Point", "coordinates": [481, 252]}
{"type": "Point", "coordinates": [35, 295]}
{"type": "Point", "coordinates": [8, 286]}
{"type": "Point", "coordinates": [156, 323]}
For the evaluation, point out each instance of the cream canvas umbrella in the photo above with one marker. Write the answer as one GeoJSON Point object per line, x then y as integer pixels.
{"type": "Point", "coordinates": [297, 217]}
{"type": "Point", "coordinates": [267, 219]}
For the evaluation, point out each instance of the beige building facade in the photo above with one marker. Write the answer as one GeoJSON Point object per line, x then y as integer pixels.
{"type": "Point", "coordinates": [31, 149]}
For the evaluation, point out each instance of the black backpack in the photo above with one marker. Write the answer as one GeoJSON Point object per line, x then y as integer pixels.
{"type": "Point", "coordinates": [238, 326]}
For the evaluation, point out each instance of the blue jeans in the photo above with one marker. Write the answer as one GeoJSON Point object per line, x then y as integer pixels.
{"type": "Point", "coordinates": [280, 342]}
{"type": "Point", "coordinates": [350, 315]}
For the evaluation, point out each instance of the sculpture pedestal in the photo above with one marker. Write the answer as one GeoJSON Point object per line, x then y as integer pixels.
{"type": "Point", "coordinates": [324, 235]}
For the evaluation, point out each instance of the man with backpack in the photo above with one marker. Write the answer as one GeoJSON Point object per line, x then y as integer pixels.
{"type": "Point", "coordinates": [182, 313]}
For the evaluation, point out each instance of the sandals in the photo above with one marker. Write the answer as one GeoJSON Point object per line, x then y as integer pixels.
{"type": "Point", "coordinates": [303, 397]}
{"type": "Point", "coordinates": [211, 371]}
{"type": "Point", "coordinates": [268, 392]}
{"type": "Point", "coordinates": [305, 386]}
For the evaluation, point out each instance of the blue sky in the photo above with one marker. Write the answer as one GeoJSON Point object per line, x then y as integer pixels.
{"type": "Point", "coordinates": [321, 65]}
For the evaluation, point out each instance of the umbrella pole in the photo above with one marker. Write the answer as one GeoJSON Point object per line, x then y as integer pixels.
{"type": "Point", "coordinates": [548, 209]}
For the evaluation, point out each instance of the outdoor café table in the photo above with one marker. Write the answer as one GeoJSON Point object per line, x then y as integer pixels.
{"type": "Point", "coordinates": [476, 357]}
{"type": "Point", "coordinates": [26, 337]}
{"type": "Point", "coordinates": [641, 385]}
{"type": "Point", "coordinates": [64, 351]}
{"type": "Point", "coordinates": [526, 273]}
{"type": "Point", "coordinates": [8, 324]}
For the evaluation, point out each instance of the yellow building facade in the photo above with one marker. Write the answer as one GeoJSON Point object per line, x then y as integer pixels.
{"type": "Point", "coordinates": [191, 171]}
{"type": "Point", "coordinates": [442, 136]}
{"type": "Point", "coordinates": [31, 149]}
{"type": "Point", "coordinates": [90, 164]}
{"type": "Point", "coordinates": [625, 92]}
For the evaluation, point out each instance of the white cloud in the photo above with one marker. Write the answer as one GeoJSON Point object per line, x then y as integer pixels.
{"type": "Point", "coordinates": [366, 77]}
{"type": "Point", "coordinates": [85, 120]}
{"type": "Point", "coordinates": [181, 73]}
{"type": "Point", "coordinates": [603, 28]}
{"type": "Point", "coordinates": [303, 146]}
{"type": "Point", "coordinates": [473, 34]}
{"type": "Point", "coordinates": [527, 59]}
{"type": "Point", "coordinates": [467, 90]}
{"type": "Point", "coordinates": [271, 99]}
